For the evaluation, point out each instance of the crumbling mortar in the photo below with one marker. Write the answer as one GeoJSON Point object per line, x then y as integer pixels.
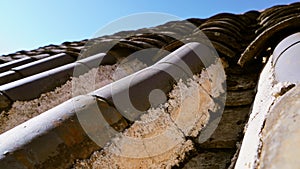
{"type": "Point", "coordinates": [260, 146]}
{"type": "Point", "coordinates": [282, 91]}
{"type": "Point", "coordinates": [177, 127]}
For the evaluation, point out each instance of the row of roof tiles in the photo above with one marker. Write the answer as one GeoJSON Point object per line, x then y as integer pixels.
{"type": "Point", "coordinates": [237, 31]}
{"type": "Point", "coordinates": [245, 38]}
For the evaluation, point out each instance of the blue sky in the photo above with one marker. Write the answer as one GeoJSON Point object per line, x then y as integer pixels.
{"type": "Point", "coordinates": [29, 24]}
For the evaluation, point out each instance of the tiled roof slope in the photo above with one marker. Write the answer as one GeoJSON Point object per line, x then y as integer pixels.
{"type": "Point", "coordinates": [243, 41]}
